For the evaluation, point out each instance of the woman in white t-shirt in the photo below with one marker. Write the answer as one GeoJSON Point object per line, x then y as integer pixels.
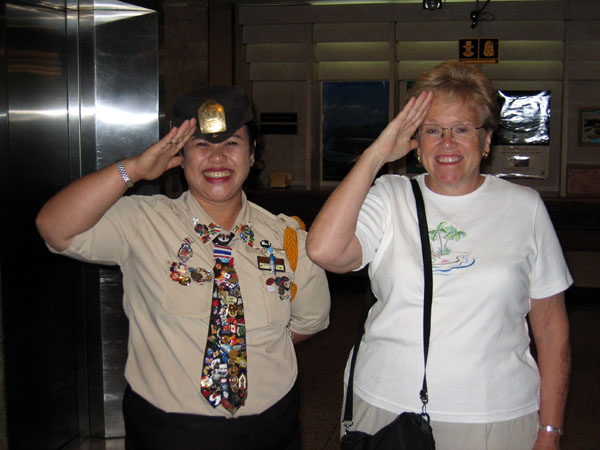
{"type": "Point", "coordinates": [496, 262]}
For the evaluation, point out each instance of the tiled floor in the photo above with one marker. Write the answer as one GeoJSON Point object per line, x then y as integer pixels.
{"type": "Point", "coordinates": [322, 360]}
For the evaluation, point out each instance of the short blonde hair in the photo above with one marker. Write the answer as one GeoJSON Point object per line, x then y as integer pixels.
{"type": "Point", "coordinates": [463, 82]}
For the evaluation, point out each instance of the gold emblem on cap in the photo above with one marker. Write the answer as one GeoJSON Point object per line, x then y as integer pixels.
{"type": "Point", "coordinates": [211, 117]}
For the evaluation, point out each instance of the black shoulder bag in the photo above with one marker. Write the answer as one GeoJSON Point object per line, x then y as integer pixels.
{"type": "Point", "coordinates": [409, 431]}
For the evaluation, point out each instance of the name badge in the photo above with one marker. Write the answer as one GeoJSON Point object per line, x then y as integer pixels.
{"type": "Point", "coordinates": [264, 263]}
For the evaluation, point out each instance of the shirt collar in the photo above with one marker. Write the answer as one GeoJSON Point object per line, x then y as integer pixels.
{"type": "Point", "coordinates": [196, 211]}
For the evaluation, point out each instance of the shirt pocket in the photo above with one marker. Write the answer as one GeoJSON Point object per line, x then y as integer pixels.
{"type": "Point", "coordinates": [190, 297]}
{"type": "Point", "coordinates": [266, 295]}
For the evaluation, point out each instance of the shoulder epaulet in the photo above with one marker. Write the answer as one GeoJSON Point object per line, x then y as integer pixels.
{"type": "Point", "coordinates": [290, 245]}
{"type": "Point", "coordinates": [299, 220]}
{"type": "Point", "coordinates": [292, 221]}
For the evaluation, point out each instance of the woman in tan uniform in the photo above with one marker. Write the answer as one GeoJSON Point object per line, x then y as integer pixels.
{"type": "Point", "coordinates": [217, 290]}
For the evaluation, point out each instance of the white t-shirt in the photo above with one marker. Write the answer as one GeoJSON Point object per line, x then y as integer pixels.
{"type": "Point", "coordinates": [492, 251]}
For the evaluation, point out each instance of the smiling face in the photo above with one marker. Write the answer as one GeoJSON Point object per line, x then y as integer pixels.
{"type": "Point", "coordinates": [453, 163]}
{"type": "Point", "coordinates": [215, 172]}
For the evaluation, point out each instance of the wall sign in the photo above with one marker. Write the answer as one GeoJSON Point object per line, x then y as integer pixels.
{"type": "Point", "coordinates": [520, 161]}
{"type": "Point", "coordinates": [484, 50]}
{"type": "Point", "coordinates": [589, 126]}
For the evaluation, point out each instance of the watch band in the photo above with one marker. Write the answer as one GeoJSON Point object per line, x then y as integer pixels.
{"type": "Point", "coordinates": [551, 429]}
{"type": "Point", "coordinates": [124, 174]}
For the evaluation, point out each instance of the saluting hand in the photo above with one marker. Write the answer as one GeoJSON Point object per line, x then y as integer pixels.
{"type": "Point", "coordinates": [163, 155]}
{"type": "Point", "coordinates": [396, 140]}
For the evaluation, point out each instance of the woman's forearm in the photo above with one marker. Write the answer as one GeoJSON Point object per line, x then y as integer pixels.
{"type": "Point", "coordinates": [331, 241]}
{"type": "Point", "coordinates": [79, 206]}
{"type": "Point", "coordinates": [550, 329]}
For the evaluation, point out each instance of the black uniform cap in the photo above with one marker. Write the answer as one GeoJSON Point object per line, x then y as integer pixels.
{"type": "Point", "coordinates": [220, 111]}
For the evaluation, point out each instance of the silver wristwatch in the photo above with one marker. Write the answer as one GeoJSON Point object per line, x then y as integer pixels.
{"type": "Point", "coordinates": [124, 174]}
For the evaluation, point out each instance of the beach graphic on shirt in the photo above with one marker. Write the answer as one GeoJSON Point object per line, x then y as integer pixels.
{"type": "Point", "coordinates": [443, 259]}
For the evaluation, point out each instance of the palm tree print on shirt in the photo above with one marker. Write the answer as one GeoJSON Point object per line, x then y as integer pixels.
{"type": "Point", "coordinates": [444, 260]}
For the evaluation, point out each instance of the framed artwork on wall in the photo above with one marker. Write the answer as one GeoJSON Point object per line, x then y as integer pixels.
{"type": "Point", "coordinates": [589, 126]}
{"type": "Point", "coordinates": [521, 144]}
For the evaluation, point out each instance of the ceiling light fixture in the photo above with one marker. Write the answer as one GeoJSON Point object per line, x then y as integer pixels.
{"type": "Point", "coordinates": [432, 4]}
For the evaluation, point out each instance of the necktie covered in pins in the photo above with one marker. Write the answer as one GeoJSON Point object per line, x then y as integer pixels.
{"type": "Point", "coordinates": [224, 373]}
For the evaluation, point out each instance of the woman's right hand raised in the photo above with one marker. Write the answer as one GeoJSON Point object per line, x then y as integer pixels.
{"type": "Point", "coordinates": [162, 155]}
{"type": "Point", "coordinates": [396, 140]}
{"type": "Point", "coordinates": [80, 205]}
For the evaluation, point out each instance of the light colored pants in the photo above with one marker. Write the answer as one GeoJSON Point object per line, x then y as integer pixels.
{"type": "Point", "coordinates": [515, 434]}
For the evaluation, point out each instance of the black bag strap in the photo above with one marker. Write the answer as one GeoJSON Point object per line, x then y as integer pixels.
{"type": "Point", "coordinates": [428, 274]}
{"type": "Point", "coordinates": [428, 300]}
{"type": "Point", "coordinates": [367, 303]}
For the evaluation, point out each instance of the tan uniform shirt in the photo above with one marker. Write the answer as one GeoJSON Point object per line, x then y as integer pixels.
{"type": "Point", "coordinates": [168, 322]}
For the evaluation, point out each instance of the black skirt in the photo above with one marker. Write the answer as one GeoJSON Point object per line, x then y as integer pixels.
{"type": "Point", "coordinates": [150, 428]}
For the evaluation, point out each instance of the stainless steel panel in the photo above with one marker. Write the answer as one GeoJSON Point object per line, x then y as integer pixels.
{"type": "Point", "coordinates": [83, 84]}
{"type": "Point", "coordinates": [3, 213]}
{"type": "Point", "coordinates": [40, 311]}
{"type": "Point", "coordinates": [56, 4]}
{"type": "Point", "coordinates": [115, 331]}
{"type": "Point", "coordinates": [126, 83]}
{"type": "Point", "coordinates": [126, 119]}
{"type": "Point", "coordinates": [117, 6]}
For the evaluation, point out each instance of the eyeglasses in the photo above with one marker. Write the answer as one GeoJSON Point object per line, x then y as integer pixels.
{"type": "Point", "coordinates": [436, 132]}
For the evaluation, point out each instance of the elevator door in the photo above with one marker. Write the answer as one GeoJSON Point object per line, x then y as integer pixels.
{"type": "Point", "coordinates": [81, 91]}
{"type": "Point", "coordinates": [39, 289]}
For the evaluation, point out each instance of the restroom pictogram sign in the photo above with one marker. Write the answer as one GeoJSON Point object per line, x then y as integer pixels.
{"type": "Point", "coordinates": [482, 50]}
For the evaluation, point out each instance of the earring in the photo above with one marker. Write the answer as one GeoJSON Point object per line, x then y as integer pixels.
{"type": "Point", "coordinates": [485, 155]}
{"type": "Point", "coordinates": [418, 156]}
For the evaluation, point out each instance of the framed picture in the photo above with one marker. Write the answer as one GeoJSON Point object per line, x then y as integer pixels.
{"type": "Point", "coordinates": [589, 126]}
